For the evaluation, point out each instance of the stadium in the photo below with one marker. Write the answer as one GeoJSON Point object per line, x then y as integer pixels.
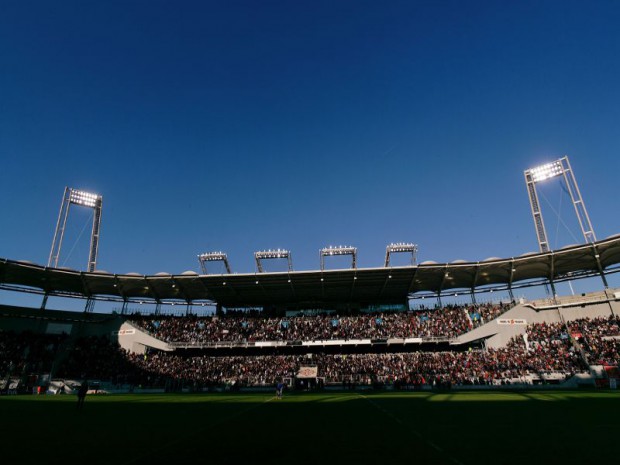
{"type": "Point", "coordinates": [309, 232]}
{"type": "Point", "coordinates": [379, 336]}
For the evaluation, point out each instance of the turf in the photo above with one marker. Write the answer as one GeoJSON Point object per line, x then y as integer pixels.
{"type": "Point", "coordinates": [340, 428]}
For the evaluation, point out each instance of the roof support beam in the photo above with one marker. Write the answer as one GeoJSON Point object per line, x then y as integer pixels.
{"type": "Point", "coordinates": [385, 282]}
{"type": "Point", "coordinates": [155, 294]}
{"type": "Point", "coordinates": [90, 305]}
{"type": "Point", "coordinates": [446, 275]}
{"type": "Point", "coordinates": [353, 282]}
{"type": "Point", "coordinates": [475, 283]}
{"type": "Point", "coordinates": [415, 273]}
{"type": "Point", "coordinates": [204, 286]}
{"type": "Point", "coordinates": [182, 291]}
{"type": "Point", "coordinates": [119, 286]}
{"type": "Point", "coordinates": [290, 281]}
{"type": "Point", "coordinates": [512, 274]}
{"type": "Point", "coordinates": [44, 300]}
{"type": "Point", "coordinates": [87, 291]}
{"type": "Point", "coordinates": [552, 275]}
{"type": "Point", "coordinates": [597, 256]}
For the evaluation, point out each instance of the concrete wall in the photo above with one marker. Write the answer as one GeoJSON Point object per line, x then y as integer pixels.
{"type": "Point", "coordinates": [588, 311]}
{"type": "Point", "coordinates": [498, 335]}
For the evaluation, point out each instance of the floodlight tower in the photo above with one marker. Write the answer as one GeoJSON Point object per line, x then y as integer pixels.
{"type": "Point", "coordinates": [213, 257]}
{"type": "Point", "coordinates": [84, 199]}
{"type": "Point", "coordinates": [560, 167]}
{"type": "Point", "coordinates": [401, 247]}
{"type": "Point", "coordinates": [340, 250]}
{"type": "Point", "coordinates": [273, 254]}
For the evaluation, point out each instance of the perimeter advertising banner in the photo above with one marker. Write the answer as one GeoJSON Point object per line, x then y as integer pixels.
{"type": "Point", "coordinates": [308, 372]}
{"type": "Point", "coordinates": [514, 321]}
{"type": "Point", "coordinates": [124, 332]}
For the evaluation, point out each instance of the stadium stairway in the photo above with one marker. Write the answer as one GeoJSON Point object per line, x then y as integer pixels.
{"type": "Point", "coordinates": [514, 322]}
{"type": "Point", "coordinates": [546, 311]}
{"type": "Point", "coordinates": [135, 339]}
{"type": "Point", "coordinates": [500, 330]}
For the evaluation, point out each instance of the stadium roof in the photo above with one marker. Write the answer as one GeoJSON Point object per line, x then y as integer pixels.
{"type": "Point", "coordinates": [362, 285]}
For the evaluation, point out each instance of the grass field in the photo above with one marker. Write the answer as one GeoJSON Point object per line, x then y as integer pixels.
{"type": "Point", "coordinates": [340, 428]}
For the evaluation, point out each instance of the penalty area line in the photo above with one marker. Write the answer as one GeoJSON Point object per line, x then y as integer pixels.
{"type": "Point", "coordinates": [415, 432]}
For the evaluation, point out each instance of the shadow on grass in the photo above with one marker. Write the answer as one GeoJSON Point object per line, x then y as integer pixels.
{"type": "Point", "coordinates": [338, 427]}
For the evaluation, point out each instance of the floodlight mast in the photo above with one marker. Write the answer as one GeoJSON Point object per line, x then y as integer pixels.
{"type": "Point", "coordinates": [273, 255]}
{"type": "Point", "coordinates": [539, 224]}
{"type": "Point", "coordinates": [560, 167]}
{"type": "Point", "coordinates": [340, 250]}
{"type": "Point", "coordinates": [580, 206]}
{"type": "Point", "coordinates": [401, 247]}
{"type": "Point", "coordinates": [213, 257]}
{"type": "Point", "coordinates": [84, 199]}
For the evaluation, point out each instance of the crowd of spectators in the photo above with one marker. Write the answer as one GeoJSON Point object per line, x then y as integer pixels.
{"type": "Point", "coordinates": [27, 352]}
{"type": "Point", "coordinates": [96, 357]}
{"type": "Point", "coordinates": [448, 322]}
{"type": "Point", "coordinates": [483, 313]}
{"type": "Point", "coordinates": [599, 337]}
{"type": "Point", "coordinates": [544, 350]}
{"type": "Point", "coordinates": [205, 370]}
{"type": "Point", "coordinates": [546, 347]}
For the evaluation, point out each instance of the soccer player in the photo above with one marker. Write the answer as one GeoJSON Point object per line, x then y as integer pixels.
{"type": "Point", "coordinates": [82, 390]}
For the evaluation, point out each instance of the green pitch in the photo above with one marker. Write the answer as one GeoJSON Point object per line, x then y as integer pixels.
{"type": "Point", "coordinates": [327, 428]}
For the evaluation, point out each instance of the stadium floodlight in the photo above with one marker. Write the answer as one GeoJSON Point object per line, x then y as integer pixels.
{"type": "Point", "coordinates": [401, 247]}
{"type": "Point", "coordinates": [560, 167]}
{"type": "Point", "coordinates": [547, 171]}
{"type": "Point", "coordinates": [84, 199]}
{"type": "Point", "coordinates": [340, 250]}
{"type": "Point", "coordinates": [271, 255]}
{"type": "Point", "coordinates": [213, 257]}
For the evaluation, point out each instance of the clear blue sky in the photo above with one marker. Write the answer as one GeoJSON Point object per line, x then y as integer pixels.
{"type": "Point", "coordinates": [243, 125]}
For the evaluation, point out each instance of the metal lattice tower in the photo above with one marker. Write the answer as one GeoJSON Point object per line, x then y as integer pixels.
{"type": "Point", "coordinates": [84, 199]}
{"type": "Point", "coordinates": [559, 167]}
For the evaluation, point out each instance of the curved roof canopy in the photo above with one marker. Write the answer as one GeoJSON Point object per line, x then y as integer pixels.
{"type": "Point", "coordinates": [362, 285]}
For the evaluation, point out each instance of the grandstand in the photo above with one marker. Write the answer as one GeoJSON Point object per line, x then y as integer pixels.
{"type": "Point", "coordinates": [319, 329]}
{"type": "Point", "coordinates": [526, 343]}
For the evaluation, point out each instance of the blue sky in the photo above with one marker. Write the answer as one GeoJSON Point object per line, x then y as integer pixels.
{"type": "Point", "coordinates": [241, 126]}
